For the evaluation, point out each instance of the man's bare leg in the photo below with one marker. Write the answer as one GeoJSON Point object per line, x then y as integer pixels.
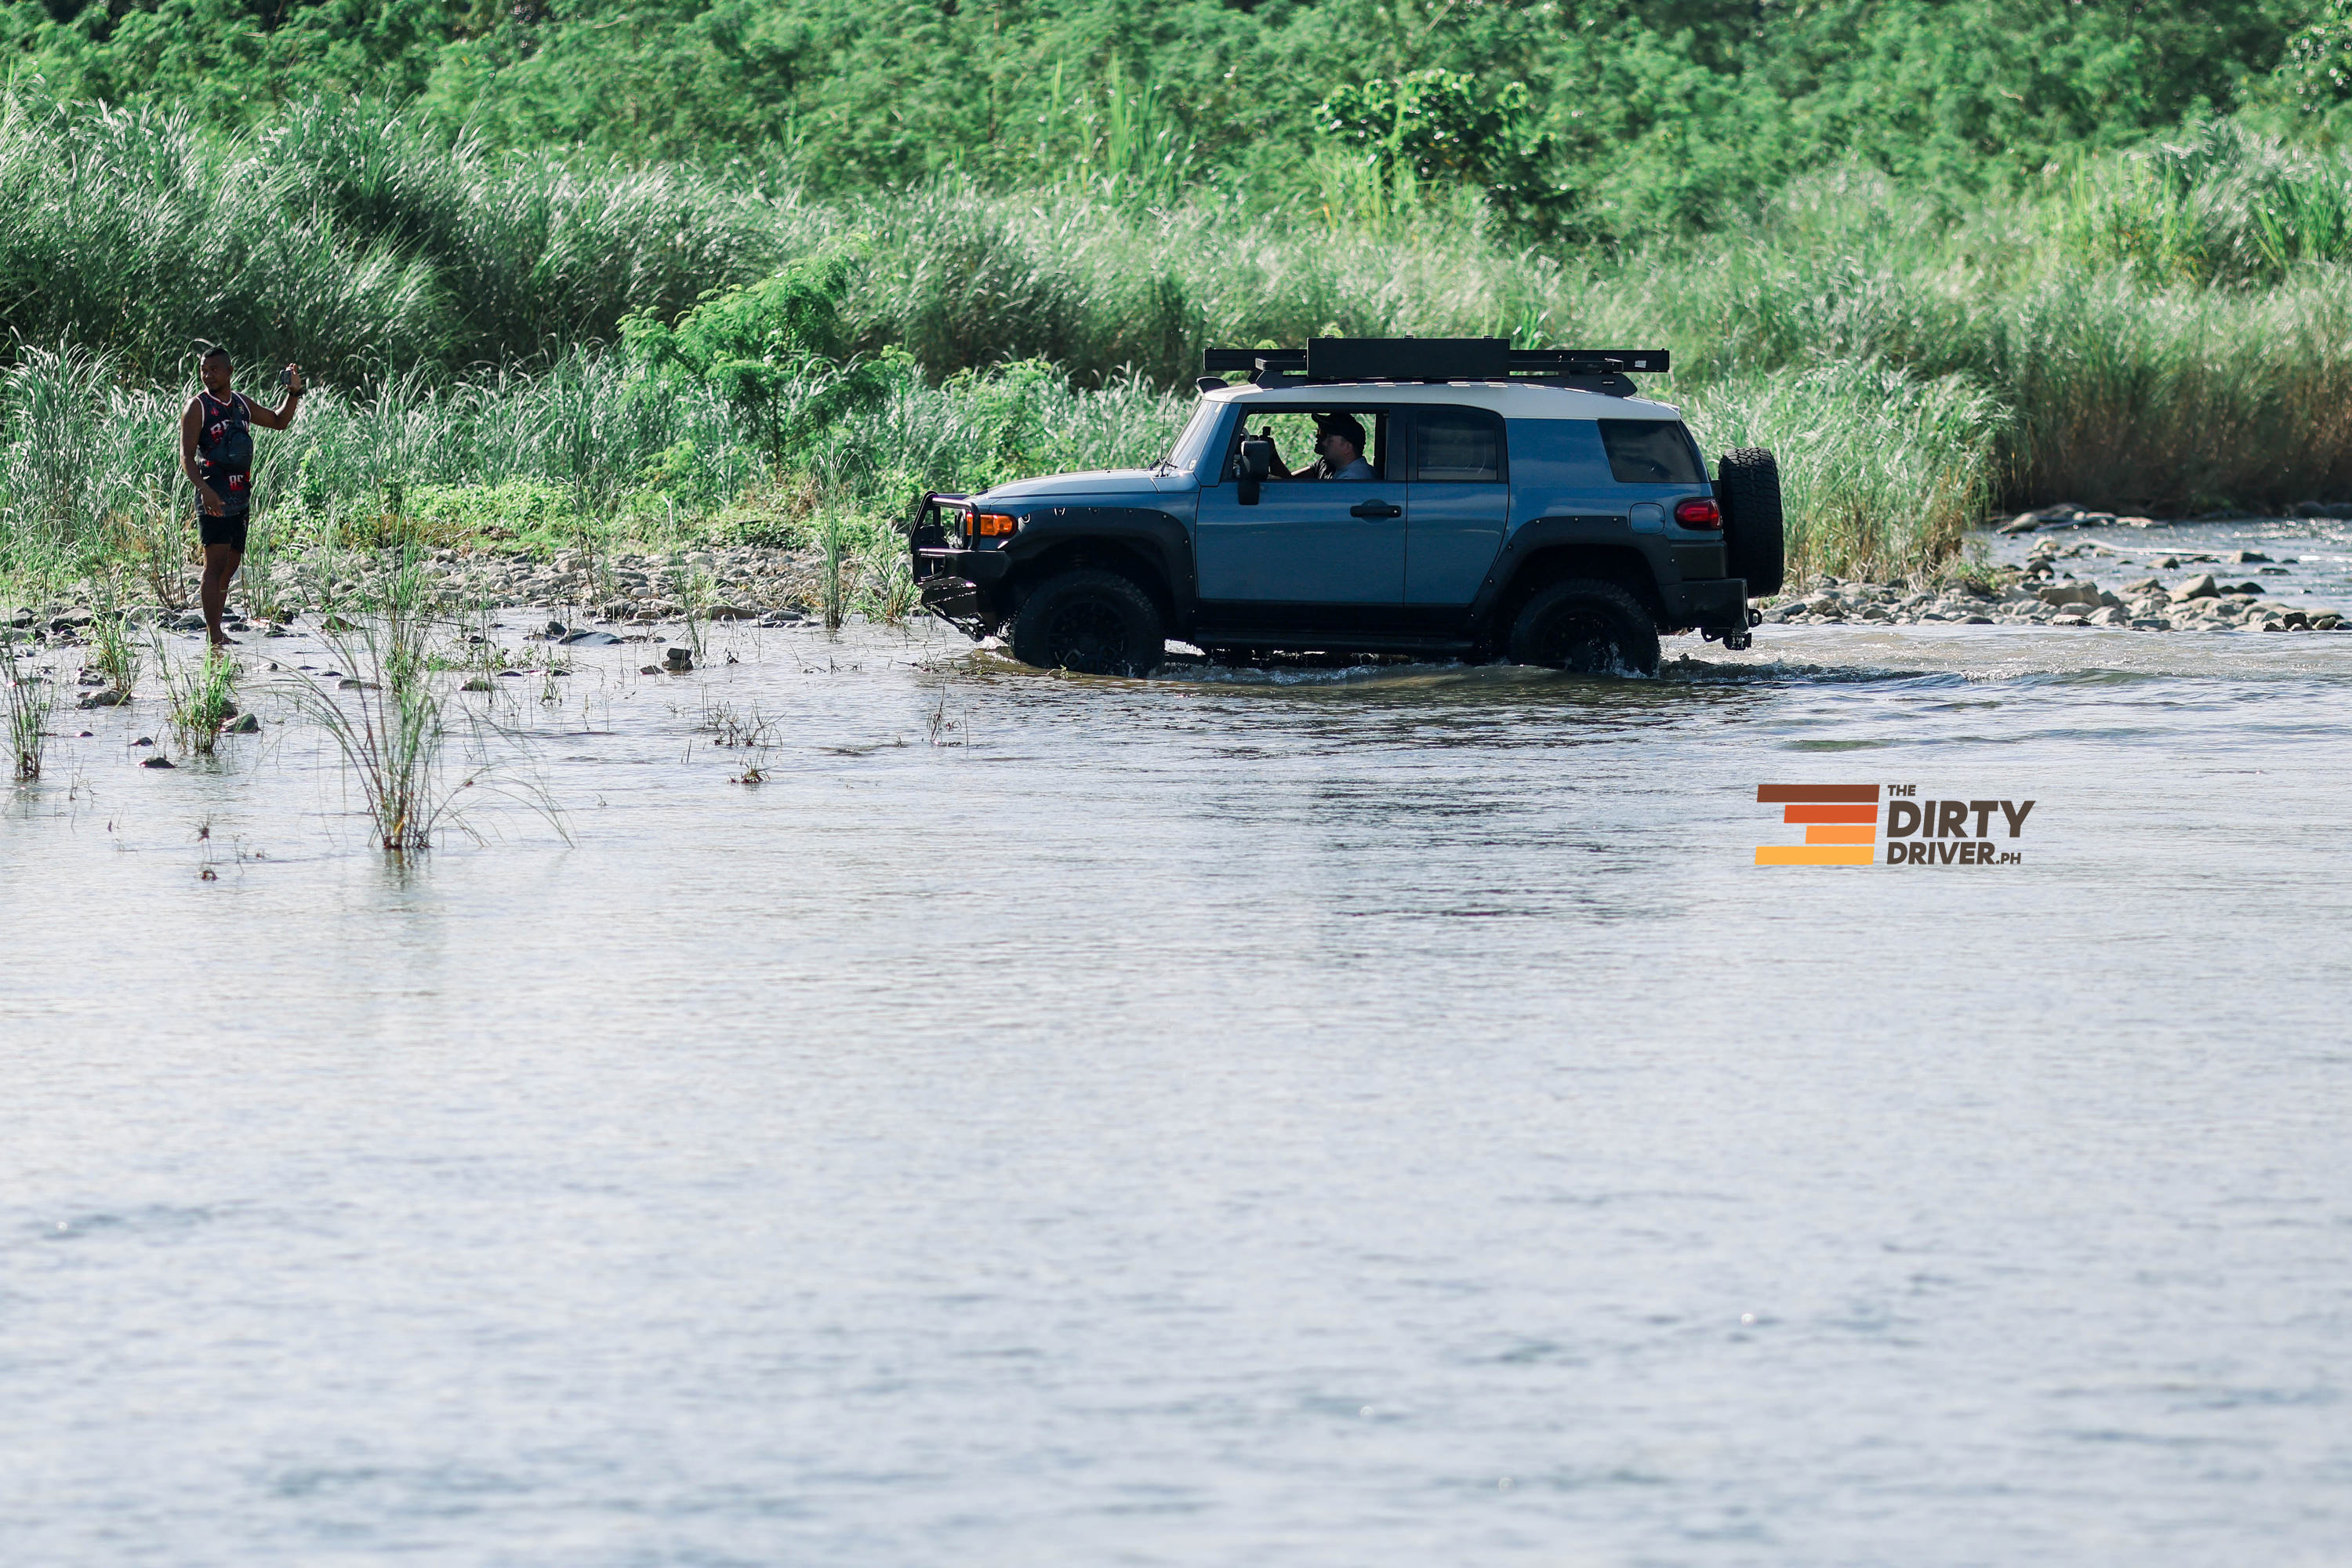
{"type": "Point", "coordinates": [221, 562]}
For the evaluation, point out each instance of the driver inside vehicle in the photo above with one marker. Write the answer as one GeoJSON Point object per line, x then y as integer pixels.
{"type": "Point", "coordinates": [1339, 451]}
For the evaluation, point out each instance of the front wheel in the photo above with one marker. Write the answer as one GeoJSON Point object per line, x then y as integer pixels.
{"type": "Point", "coordinates": [1092, 622]}
{"type": "Point", "coordinates": [1588, 627]}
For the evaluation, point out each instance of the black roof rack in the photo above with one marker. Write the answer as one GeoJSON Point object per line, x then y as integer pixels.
{"type": "Point", "coordinates": [1328, 359]}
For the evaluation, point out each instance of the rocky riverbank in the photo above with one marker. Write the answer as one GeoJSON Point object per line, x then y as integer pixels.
{"type": "Point", "coordinates": [2057, 586]}
{"type": "Point", "coordinates": [742, 583]}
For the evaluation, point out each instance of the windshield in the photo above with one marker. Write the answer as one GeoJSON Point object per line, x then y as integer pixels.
{"type": "Point", "coordinates": [1195, 440]}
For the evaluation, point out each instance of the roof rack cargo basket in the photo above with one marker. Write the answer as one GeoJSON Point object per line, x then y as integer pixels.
{"type": "Point", "coordinates": [1325, 360]}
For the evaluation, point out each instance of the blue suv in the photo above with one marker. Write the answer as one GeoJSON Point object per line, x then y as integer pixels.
{"type": "Point", "coordinates": [1488, 503]}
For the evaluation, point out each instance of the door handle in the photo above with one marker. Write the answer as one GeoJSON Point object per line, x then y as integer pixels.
{"type": "Point", "coordinates": [1375, 508]}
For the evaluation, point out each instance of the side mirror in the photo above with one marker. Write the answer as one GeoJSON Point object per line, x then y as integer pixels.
{"type": "Point", "coordinates": [1256, 463]}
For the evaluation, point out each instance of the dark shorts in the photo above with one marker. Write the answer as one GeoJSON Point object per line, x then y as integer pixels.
{"type": "Point", "coordinates": [228, 530]}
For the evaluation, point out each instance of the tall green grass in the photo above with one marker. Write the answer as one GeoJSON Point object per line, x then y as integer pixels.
{"type": "Point", "coordinates": [2162, 331]}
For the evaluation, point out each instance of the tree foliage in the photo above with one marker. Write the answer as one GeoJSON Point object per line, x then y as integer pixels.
{"type": "Point", "coordinates": [1633, 113]}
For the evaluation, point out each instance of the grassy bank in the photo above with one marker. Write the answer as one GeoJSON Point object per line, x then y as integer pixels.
{"type": "Point", "coordinates": [2164, 331]}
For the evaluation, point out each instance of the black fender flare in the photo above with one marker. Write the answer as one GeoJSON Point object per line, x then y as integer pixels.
{"type": "Point", "coordinates": [1160, 540]}
{"type": "Point", "coordinates": [1532, 539]}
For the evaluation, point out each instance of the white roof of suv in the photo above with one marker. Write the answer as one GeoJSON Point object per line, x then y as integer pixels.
{"type": "Point", "coordinates": [1513, 400]}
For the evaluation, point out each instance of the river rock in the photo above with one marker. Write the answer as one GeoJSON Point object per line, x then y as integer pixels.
{"type": "Point", "coordinates": [680, 659]}
{"type": "Point", "coordinates": [2202, 586]}
{"type": "Point", "coordinates": [588, 639]}
{"type": "Point", "coordinates": [159, 763]}
{"type": "Point", "coordinates": [2247, 557]}
{"type": "Point", "coordinates": [477, 684]}
{"type": "Point", "coordinates": [246, 724]}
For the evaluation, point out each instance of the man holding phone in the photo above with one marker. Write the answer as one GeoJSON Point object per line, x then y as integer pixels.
{"type": "Point", "coordinates": [216, 454]}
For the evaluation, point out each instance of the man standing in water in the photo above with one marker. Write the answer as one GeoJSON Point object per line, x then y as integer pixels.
{"type": "Point", "coordinates": [216, 454]}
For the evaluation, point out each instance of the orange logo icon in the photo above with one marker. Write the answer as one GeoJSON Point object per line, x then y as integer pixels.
{"type": "Point", "coordinates": [1841, 824]}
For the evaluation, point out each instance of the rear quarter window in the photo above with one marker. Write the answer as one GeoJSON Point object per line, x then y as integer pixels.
{"type": "Point", "coordinates": [1458, 446]}
{"type": "Point", "coordinates": [1650, 452]}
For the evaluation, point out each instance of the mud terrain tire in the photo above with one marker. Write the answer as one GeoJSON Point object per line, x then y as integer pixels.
{"type": "Point", "coordinates": [1747, 487]}
{"type": "Point", "coordinates": [1588, 627]}
{"type": "Point", "coordinates": [1091, 622]}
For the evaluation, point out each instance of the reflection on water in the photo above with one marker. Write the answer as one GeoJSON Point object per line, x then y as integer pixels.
{"type": "Point", "coordinates": [1332, 1116]}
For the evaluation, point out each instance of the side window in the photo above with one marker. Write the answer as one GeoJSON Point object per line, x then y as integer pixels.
{"type": "Point", "coordinates": [1294, 433]}
{"type": "Point", "coordinates": [1458, 447]}
{"type": "Point", "coordinates": [1650, 452]}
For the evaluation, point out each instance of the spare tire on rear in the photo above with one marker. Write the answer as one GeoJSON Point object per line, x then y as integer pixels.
{"type": "Point", "coordinates": [1747, 489]}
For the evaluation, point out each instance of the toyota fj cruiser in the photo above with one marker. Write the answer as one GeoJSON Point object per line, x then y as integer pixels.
{"type": "Point", "coordinates": [1520, 503]}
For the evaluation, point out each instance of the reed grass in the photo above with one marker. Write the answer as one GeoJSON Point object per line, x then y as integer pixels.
{"type": "Point", "coordinates": [113, 650]}
{"type": "Point", "coordinates": [32, 698]}
{"type": "Point", "coordinates": [830, 591]}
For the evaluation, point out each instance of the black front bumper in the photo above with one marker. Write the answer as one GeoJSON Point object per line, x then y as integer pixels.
{"type": "Point", "coordinates": [961, 586]}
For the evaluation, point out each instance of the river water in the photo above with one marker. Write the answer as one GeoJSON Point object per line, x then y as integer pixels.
{"type": "Point", "coordinates": [1318, 1117]}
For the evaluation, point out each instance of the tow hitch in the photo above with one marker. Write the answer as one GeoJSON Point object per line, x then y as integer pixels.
{"type": "Point", "coordinates": [1736, 638]}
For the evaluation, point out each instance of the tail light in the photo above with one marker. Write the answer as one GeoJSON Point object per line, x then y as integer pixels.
{"type": "Point", "coordinates": [998, 525]}
{"type": "Point", "coordinates": [1698, 512]}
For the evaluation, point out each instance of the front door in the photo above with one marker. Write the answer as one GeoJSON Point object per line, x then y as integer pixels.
{"type": "Point", "coordinates": [1307, 541]}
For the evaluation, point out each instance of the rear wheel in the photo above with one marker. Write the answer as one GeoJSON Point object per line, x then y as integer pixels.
{"type": "Point", "coordinates": [1588, 627]}
{"type": "Point", "coordinates": [1090, 621]}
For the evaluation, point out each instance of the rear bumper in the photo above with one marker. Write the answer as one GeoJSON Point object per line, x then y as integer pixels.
{"type": "Point", "coordinates": [1709, 602]}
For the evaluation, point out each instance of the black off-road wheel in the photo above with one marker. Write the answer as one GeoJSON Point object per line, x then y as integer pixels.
{"type": "Point", "coordinates": [1092, 622]}
{"type": "Point", "coordinates": [1747, 487]}
{"type": "Point", "coordinates": [1588, 627]}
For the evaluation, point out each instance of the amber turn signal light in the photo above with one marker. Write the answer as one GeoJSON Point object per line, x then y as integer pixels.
{"type": "Point", "coordinates": [997, 525]}
{"type": "Point", "coordinates": [1699, 512]}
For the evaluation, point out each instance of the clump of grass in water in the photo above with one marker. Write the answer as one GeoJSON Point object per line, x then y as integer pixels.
{"type": "Point", "coordinates": [830, 589]}
{"type": "Point", "coordinates": [394, 731]}
{"type": "Point", "coordinates": [395, 728]}
{"type": "Point", "coordinates": [32, 698]}
{"type": "Point", "coordinates": [695, 587]}
{"type": "Point", "coordinates": [112, 653]}
{"type": "Point", "coordinates": [202, 697]}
